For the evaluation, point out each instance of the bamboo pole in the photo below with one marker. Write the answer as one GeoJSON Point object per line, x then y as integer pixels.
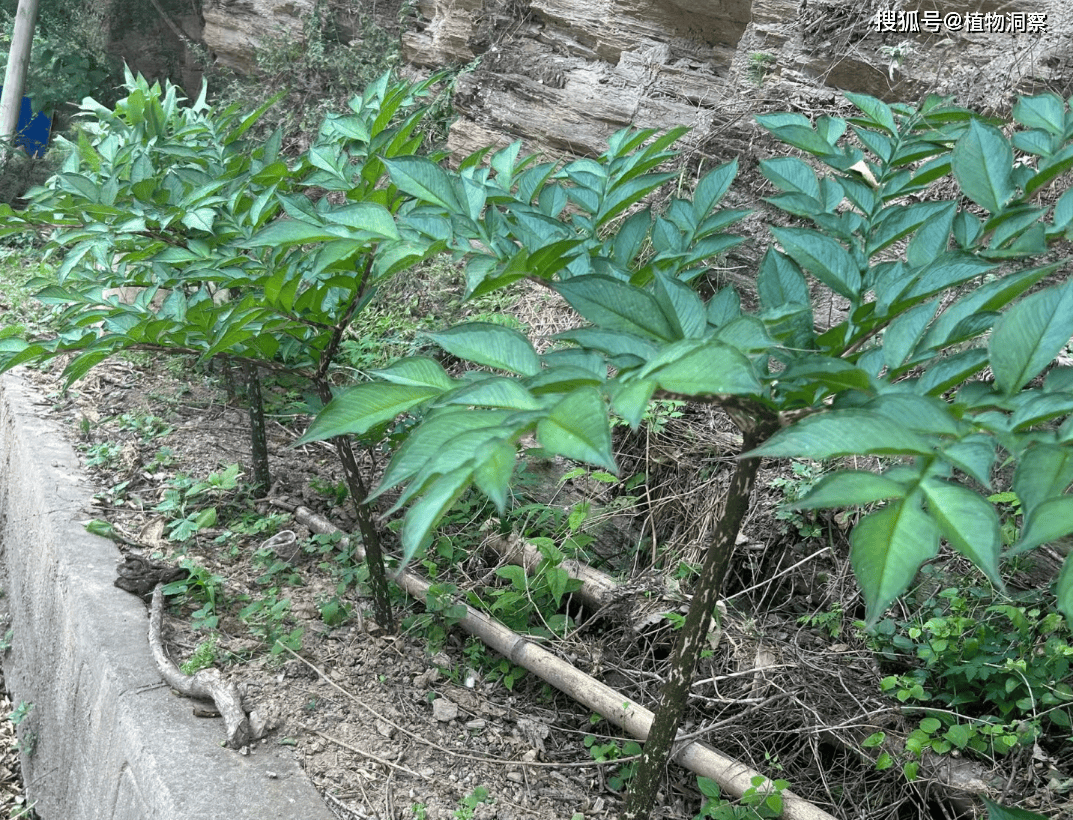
{"type": "Point", "coordinates": [733, 776]}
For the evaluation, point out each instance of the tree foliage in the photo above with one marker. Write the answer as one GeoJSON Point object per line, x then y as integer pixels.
{"type": "Point", "coordinates": [935, 364]}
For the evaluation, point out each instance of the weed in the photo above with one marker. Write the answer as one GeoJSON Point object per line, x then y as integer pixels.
{"type": "Point", "coordinates": [104, 455]}
{"type": "Point", "coordinates": [162, 459]}
{"type": "Point", "coordinates": [441, 613]}
{"type": "Point", "coordinates": [334, 612]}
{"type": "Point", "coordinates": [200, 586]}
{"type": "Point", "coordinates": [267, 619]}
{"type": "Point", "coordinates": [468, 807]}
{"type": "Point", "coordinates": [5, 642]}
{"type": "Point", "coordinates": [146, 425]}
{"type": "Point", "coordinates": [1009, 506]}
{"type": "Point", "coordinates": [614, 750]}
{"type": "Point", "coordinates": [204, 656]}
{"type": "Point", "coordinates": [989, 673]}
{"type": "Point", "coordinates": [336, 493]}
{"type": "Point", "coordinates": [757, 802]}
{"type": "Point", "coordinates": [188, 519]}
{"type": "Point", "coordinates": [21, 712]}
{"type": "Point", "coordinates": [761, 64]}
{"type": "Point", "coordinates": [530, 603]}
{"type": "Point", "coordinates": [804, 476]}
{"type": "Point", "coordinates": [829, 621]}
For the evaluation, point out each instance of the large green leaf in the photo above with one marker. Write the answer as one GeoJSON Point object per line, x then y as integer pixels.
{"type": "Point", "coordinates": [615, 305]}
{"type": "Point", "coordinates": [712, 187]}
{"type": "Point", "coordinates": [1064, 589]}
{"type": "Point", "coordinates": [823, 257]}
{"type": "Point", "coordinates": [284, 232]}
{"type": "Point", "coordinates": [780, 282]}
{"type": "Point", "coordinates": [490, 345]}
{"type": "Point", "coordinates": [1044, 471]}
{"type": "Point", "coordinates": [631, 399]}
{"type": "Point", "coordinates": [494, 392]}
{"type": "Point", "coordinates": [425, 180]}
{"type": "Point", "coordinates": [611, 342]}
{"type": "Point", "coordinates": [983, 166]}
{"type": "Point", "coordinates": [493, 472]}
{"type": "Point", "coordinates": [1048, 521]}
{"type": "Point", "coordinates": [365, 216]}
{"type": "Point", "coordinates": [702, 368]}
{"type": "Point", "coordinates": [1029, 336]}
{"type": "Point", "coordinates": [681, 304]}
{"type": "Point", "coordinates": [419, 371]}
{"type": "Point", "coordinates": [849, 488]}
{"type": "Point", "coordinates": [969, 523]}
{"type": "Point", "coordinates": [427, 511]}
{"type": "Point", "coordinates": [432, 436]}
{"type": "Point", "coordinates": [887, 549]}
{"type": "Point", "coordinates": [999, 812]}
{"type": "Point", "coordinates": [843, 433]}
{"type": "Point", "coordinates": [578, 428]}
{"type": "Point", "coordinates": [902, 335]}
{"type": "Point", "coordinates": [362, 407]}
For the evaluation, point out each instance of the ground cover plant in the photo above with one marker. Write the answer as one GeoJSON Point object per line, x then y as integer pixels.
{"type": "Point", "coordinates": [896, 376]}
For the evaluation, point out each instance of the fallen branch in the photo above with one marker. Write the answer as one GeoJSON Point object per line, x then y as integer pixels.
{"type": "Point", "coordinates": [208, 684]}
{"type": "Point", "coordinates": [733, 776]}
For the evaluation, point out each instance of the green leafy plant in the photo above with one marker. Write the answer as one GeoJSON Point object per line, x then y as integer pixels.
{"type": "Point", "coordinates": [898, 371]}
{"type": "Point", "coordinates": [762, 799]}
{"type": "Point", "coordinates": [105, 454]}
{"type": "Point", "coordinates": [531, 597]}
{"type": "Point", "coordinates": [21, 712]}
{"type": "Point", "coordinates": [994, 670]}
{"type": "Point", "coordinates": [804, 475]}
{"type": "Point", "coordinates": [146, 425]}
{"type": "Point", "coordinates": [468, 807]}
{"type": "Point", "coordinates": [203, 656]}
{"type": "Point", "coordinates": [164, 215]}
{"type": "Point", "coordinates": [621, 775]}
{"type": "Point", "coordinates": [200, 586]}
{"type": "Point", "coordinates": [761, 64]}
{"type": "Point", "coordinates": [268, 619]}
{"type": "Point", "coordinates": [442, 611]}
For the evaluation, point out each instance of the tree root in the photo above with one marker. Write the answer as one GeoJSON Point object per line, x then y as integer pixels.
{"type": "Point", "coordinates": [208, 684]}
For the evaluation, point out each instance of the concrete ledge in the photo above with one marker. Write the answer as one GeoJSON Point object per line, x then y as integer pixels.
{"type": "Point", "coordinates": [105, 738]}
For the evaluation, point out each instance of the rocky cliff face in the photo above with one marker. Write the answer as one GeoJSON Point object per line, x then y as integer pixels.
{"type": "Point", "coordinates": [564, 74]}
{"type": "Point", "coordinates": [234, 29]}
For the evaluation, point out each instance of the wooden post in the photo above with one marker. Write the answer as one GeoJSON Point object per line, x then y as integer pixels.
{"type": "Point", "coordinates": [18, 62]}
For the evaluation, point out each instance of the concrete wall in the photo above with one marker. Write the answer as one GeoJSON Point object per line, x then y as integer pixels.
{"type": "Point", "coordinates": [105, 738]}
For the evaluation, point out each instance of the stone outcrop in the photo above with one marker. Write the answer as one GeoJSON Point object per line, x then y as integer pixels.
{"type": "Point", "coordinates": [564, 74]}
{"type": "Point", "coordinates": [233, 29]}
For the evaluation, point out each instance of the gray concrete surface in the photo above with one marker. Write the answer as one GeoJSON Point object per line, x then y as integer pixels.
{"type": "Point", "coordinates": [105, 738]}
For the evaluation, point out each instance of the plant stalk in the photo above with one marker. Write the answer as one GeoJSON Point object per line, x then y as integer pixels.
{"type": "Point", "coordinates": [262, 477]}
{"type": "Point", "coordinates": [370, 536]}
{"type": "Point", "coordinates": [675, 695]}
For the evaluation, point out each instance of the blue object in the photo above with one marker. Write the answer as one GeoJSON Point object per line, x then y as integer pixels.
{"type": "Point", "coordinates": [33, 130]}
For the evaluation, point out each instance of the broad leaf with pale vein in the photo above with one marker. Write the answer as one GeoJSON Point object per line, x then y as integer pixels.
{"type": "Point", "coordinates": [888, 547]}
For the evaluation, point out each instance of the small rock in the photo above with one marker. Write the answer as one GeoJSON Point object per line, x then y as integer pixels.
{"type": "Point", "coordinates": [515, 777]}
{"type": "Point", "coordinates": [385, 729]}
{"type": "Point", "coordinates": [444, 710]}
{"type": "Point", "coordinates": [476, 725]}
